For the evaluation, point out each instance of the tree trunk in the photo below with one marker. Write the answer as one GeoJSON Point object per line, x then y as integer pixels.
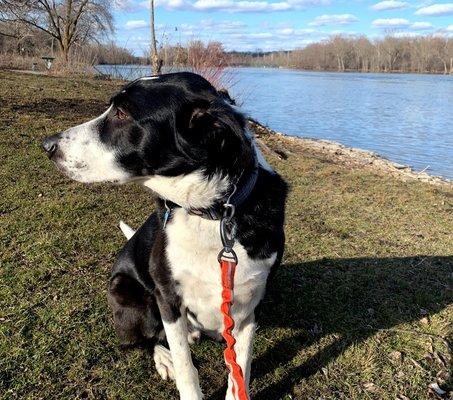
{"type": "Point", "coordinates": [64, 50]}
{"type": "Point", "coordinates": [66, 42]}
{"type": "Point", "coordinates": [339, 63]}
{"type": "Point", "coordinates": [156, 63]}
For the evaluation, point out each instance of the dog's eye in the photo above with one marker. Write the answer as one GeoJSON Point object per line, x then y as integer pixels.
{"type": "Point", "coordinates": [120, 114]}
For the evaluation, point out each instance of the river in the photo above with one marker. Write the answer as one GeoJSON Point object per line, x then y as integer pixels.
{"type": "Point", "coordinates": [406, 118]}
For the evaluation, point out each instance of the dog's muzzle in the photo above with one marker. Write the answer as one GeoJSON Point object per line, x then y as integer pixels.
{"type": "Point", "coordinates": [50, 144]}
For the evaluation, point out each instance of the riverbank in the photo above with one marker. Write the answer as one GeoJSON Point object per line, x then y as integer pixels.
{"type": "Point", "coordinates": [360, 309]}
{"type": "Point", "coordinates": [338, 153]}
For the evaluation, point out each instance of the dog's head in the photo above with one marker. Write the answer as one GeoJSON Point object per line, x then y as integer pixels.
{"type": "Point", "coordinates": [161, 131]}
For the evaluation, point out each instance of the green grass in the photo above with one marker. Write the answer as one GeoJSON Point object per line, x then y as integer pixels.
{"type": "Point", "coordinates": [360, 309]}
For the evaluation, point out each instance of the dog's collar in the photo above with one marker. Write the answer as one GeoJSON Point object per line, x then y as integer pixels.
{"type": "Point", "coordinates": [239, 194]}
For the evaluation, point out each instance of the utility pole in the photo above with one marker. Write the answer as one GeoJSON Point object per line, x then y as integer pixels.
{"type": "Point", "coordinates": [156, 63]}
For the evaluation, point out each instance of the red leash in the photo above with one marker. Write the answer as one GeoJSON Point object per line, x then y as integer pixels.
{"type": "Point", "coordinates": [228, 262]}
{"type": "Point", "coordinates": [228, 268]}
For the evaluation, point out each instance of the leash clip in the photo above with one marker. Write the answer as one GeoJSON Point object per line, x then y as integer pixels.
{"type": "Point", "coordinates": [228, 232]}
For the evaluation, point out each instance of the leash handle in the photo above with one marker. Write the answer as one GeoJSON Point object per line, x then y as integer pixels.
{"type": "Point", "coordinates": [228, 268]}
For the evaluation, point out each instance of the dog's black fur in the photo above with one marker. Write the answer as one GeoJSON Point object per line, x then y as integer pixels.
{"type": "Point", "coordinates": [180, 101]}
{"type": "Point", "coordinates": [184, 125]}
{"type": "Point", "coordinates": [171, 126]}
{"type": "Point", "coordinates": [131, 289]}
{"type": "Point", "coordinates": [141, 262]}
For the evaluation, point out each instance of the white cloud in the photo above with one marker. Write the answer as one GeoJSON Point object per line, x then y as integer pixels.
{"type": "Point", "coordinates": [390, 5]}
{"type": "Point", "coordinates": [125, 5]}
{"type": "Point", "coordinates": [169, 4]}
{"type": "Point", "coordinates": [240, 6]}
{"type": "Point", "coordinates": [405, 34]}
{"type": "Point", "coordinates": [222, 26]}
{"type": "Point", "coordinates": [334, 19]}
{"type": "Point", "coordinates": [391, 23]}
{"type": "Point", "coordinates": [421, 26]}
{"type": "Point", "coordinates": [254, 35]}
{"type": "Point", "coordinates": [209, 28]}
{"type": "Point", "coordinates": [449, 28]}
{"type": "Point", "coordinates": [436, 10]}
{"type": "Point", "coordinates": [310, 3]}
{"type": "Point", "coordinates": [286, 31]}
{"type": "Point", "coordinates": [136, 24]}
{"type": "Point", "coordinates": [234, 6]}
{"type": "Point", "coordinates": [343, 33]}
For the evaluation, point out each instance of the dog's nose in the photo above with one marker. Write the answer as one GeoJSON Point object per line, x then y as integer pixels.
{"type": "Point", "coordinates": [50, 144]}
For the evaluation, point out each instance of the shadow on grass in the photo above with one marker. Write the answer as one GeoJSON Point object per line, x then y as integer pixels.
{"type": "Point", "coordinates": [351, 298]}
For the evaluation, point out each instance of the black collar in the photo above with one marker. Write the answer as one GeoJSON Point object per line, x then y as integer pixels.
{"type": "Point", "coordinates": [240, 193]}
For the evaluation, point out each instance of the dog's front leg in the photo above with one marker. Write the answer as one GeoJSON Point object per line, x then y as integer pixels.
{"type": "Point", "coordinates": [244, 334]}
{"type": "Point", "coordinates": [175, 325]}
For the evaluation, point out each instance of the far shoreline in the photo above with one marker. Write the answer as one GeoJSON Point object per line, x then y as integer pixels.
{"type": "Point", "coordinates": [290, 69]}
{"type": "Point", "coordinates": [350, 71]}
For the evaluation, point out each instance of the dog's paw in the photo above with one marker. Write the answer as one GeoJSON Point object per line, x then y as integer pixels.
{"type": "Point", "coordinates": [164, 363]}
{"type": "Point", "coordinates": [194, 337]}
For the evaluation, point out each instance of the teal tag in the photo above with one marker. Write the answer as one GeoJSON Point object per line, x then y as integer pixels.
{"type": "Point", "coordinates": [166, 216]}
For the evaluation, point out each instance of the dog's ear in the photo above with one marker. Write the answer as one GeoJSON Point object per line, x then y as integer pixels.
{"type": "Point", "coordinates": [213, 129]}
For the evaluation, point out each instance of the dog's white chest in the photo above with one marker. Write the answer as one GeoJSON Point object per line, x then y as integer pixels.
{"type": "Point", "coordinates": [192, 249]}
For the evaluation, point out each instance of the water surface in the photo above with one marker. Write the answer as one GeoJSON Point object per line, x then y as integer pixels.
{"type": "Point", "coordinates": [407, 118]}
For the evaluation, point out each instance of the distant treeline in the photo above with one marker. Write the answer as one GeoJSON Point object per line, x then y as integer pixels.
{"type": "Point", "coordinates": [21, 46]}
{"type": "Point", "coordinates": [425, 54]}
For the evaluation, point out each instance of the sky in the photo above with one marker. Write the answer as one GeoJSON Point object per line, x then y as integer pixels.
{"type": "Point", "coordinates": [251, 25]}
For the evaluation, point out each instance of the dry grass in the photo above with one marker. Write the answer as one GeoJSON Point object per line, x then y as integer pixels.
{"type": "Point", "coordinates": [10, 61]}
{"type": "Point", "coordinates": [360, 309]}
{"type": "Point", "coordinates": [81, 63]}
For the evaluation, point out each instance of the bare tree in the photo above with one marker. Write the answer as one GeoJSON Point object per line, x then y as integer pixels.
{"type": "Point", "coordinates": [67, 21]}
{"type": "Point", "coordinates": [392, 48]}
{"type": "Point", "coordinates": [363, 51]}
{"type": "Point", "coordinates": [340, 47]}
{"type": "Point", "coordinates": [16, 32]}
{"type": "Point", "coordinates": [440, 51]}
{"type": "Point", "coordinates": [345, 53]}
{"type": "Point", "coordinates": [156, 62]}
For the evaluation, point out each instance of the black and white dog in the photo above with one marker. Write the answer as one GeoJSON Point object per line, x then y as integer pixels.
{"type": "Point", "coordinates": [180, 138]}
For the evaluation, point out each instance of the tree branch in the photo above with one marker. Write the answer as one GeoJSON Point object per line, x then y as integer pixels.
{"type": "Point", "coordinates": [77, 18]}
{"type": "Point", "coordinates": [29, 22]}
{"type": "Point", "coordinates": [51, 15]}
{"type": "Point", "coordinates": [9, 35]}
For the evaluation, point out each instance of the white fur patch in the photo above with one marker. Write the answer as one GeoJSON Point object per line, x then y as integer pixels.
{"type": "Point", "coordinates": [186, 375]}
{"type": "Point", "coordinates": [85, 158]}
{"type": "Point", "coordinates": [193, 190]}
{"type": "Point", "coordinates": [164, 363]}
{"type": "Point", "coordinates": [128, 232]}
{"type": "Point", "coordinates": [192, 249]}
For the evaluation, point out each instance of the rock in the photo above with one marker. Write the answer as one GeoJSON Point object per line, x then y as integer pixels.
{"type": "Point", "coordinates": [371, 387]}
{"type": "Point", "coordinates": [396, 356]}
{"type": "Point", "coordinates": [436, 389]}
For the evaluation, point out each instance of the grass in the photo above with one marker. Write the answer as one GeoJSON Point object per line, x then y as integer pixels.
{"type": "Point", "coordinates": [360, 309]}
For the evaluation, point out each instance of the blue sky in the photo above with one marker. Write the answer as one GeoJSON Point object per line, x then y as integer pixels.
{"type": "Point", "coordinates": [276, 24]}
